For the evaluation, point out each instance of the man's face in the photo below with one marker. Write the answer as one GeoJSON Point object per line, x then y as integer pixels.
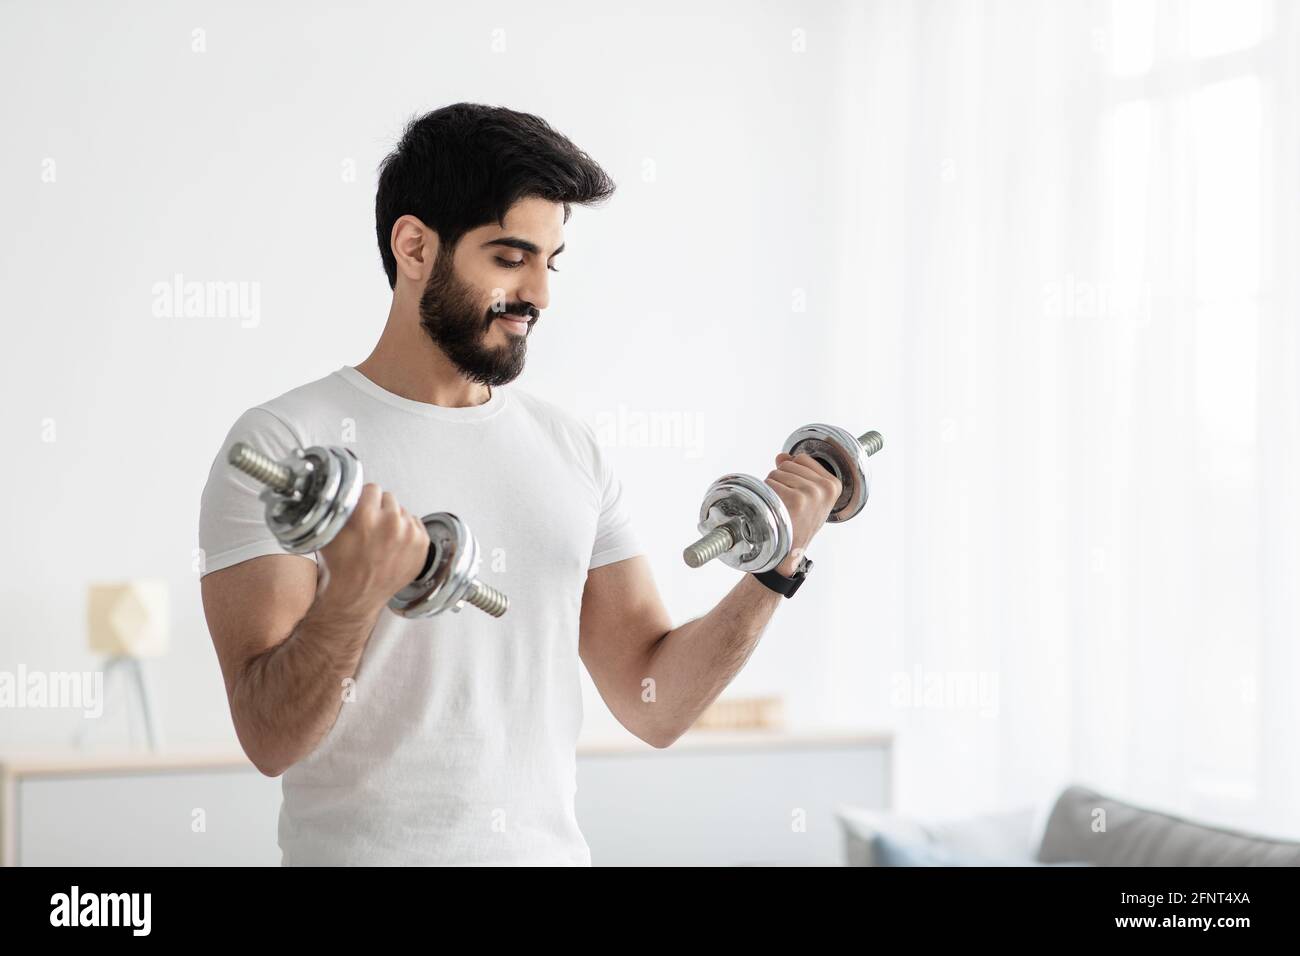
{"type": "Point", "coordinates": [482, 301]}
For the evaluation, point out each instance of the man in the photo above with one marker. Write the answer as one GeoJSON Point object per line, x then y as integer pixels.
{"type": "Point", "coordinates": [451, 739]}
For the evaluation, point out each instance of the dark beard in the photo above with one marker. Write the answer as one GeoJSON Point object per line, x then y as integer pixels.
{"type": "Point", "coordinates": [449, 316]}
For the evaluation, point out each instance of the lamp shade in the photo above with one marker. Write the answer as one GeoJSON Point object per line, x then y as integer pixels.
{"type": "Point", "coordinates": [129, 619]}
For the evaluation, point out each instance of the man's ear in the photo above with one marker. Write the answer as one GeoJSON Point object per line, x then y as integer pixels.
{"type": "Point", "coordinates": [415, 247]}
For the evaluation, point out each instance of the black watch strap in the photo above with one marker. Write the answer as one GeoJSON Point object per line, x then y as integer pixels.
{"type": "Point", "coordinates": [780, 583]}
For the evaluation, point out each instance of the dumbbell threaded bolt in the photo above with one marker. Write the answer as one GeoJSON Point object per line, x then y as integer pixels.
{"type": "Point", "coordinates": [871, 442]}
{"type": "Point", "coordinates": [487, 598]}
{"type": "Point", "coordinates": [261, 468]}
{"type": "Point", "coordinates": [716, 542]}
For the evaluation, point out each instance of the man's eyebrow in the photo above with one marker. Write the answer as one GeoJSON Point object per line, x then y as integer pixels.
{"type": "Point", "coordinates": [524, 244]}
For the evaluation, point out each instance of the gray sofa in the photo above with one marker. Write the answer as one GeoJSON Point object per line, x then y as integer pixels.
{"type": "Point", "coordinates": [1082, 828]}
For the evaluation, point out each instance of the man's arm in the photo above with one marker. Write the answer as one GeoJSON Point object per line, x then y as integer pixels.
{"type": "Point", "coordinates": [657, 679]}
{"type": "Point", "coordinates": [283, 656]}
{"type": "Point", "coordinates": [627, 639]}
{"type": "Point", "coordinates": [286, 640]}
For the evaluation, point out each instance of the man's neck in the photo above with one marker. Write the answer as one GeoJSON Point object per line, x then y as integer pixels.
{"type": "Point", "coordinates": [405, 362]}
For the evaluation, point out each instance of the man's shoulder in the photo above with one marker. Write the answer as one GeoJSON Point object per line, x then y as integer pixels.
{"type": "Point", "coordinates": [308, 394]}
{"type": "Point", "coordinates": [302, 403]}
{"type": "Point", "coordinates": [292, 418]}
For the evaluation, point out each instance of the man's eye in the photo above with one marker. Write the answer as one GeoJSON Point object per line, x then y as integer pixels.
{"type": "Point", "coordinates": [516, 263]}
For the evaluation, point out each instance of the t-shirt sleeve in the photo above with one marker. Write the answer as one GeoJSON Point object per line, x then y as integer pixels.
{"type": "Point", "coordinates": [616, 540]}
{"type": "Point", "coordinates": [232, 518]}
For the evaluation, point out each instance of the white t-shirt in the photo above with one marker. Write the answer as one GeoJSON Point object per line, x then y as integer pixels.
{"type": "Point", "coordinates": [459, 747]}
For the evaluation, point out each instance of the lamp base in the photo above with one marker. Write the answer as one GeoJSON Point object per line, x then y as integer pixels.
{"type": "Point", "coordinates": [137, 690]}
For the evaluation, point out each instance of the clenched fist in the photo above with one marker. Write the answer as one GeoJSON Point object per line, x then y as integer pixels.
{"type": "Point", "coordinates": [808, 491]}
{"type": "Point", "coordinates": [379, 551]}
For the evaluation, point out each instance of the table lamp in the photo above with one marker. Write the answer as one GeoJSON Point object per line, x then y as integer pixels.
{"type": "Point", "coordinates": [127, 622]}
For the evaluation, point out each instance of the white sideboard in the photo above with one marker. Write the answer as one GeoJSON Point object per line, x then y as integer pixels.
{"type": "Point", "coordinates": [713, 798]}
{"type": "Point", "coordinates": [729, 799]}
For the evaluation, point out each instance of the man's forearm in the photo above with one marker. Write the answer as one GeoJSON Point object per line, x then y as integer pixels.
{"type": "Point", "coordinates": [286, 699]}
{"type": "Point", "coordinates": [692, 664]}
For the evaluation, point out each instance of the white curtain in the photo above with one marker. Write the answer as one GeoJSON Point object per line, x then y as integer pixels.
{"type": "Point", "coordinates": [1069, 292]}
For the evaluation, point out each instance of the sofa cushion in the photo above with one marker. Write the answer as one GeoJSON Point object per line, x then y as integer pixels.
{"type": "Point", "coordinates": [889, 850]}
{"type": "Point", "coordinates": [1134, 836]}
{"type": "Point", "coordinates": [878, 838]}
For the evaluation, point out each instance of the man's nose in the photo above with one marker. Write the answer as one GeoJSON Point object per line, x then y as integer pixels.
{"type": "Point", "coordinates": [534, 289]}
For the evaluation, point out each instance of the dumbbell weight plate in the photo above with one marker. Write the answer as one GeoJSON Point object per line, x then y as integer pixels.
{"type": "Point", "coordinates": [330, 486]}
{"type": "Point", "coordinates": [767, 526]}
{"type": "Point", "coordinates": [840, 453]}
{"type": "Point", "coordinates": [450, 574]}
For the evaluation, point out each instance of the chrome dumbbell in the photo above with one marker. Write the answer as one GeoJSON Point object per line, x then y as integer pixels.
{"type": "Point", "coordinates": [309, 498]}
{"type": "Point", "coordinates": [745, 524]}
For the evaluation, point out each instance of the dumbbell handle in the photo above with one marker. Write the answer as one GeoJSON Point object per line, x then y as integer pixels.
{"type": "Point", "coordinates": [280, 479]}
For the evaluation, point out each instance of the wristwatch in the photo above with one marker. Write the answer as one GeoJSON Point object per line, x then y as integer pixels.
{"type": "Point", "coordinates": [780, 583]}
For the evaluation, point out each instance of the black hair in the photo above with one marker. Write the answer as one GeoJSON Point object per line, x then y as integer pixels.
{"type": "Point", "coordinates": [464, 166]}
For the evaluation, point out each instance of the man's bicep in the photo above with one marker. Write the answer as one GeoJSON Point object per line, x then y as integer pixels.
{"type": "Point", "coordinates": [252, 606]}
{"type": "Point", "coordinates": [622, 618]}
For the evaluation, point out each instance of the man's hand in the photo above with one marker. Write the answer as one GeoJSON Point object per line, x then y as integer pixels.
{"type": "Point", "coordinates": [809, 491]}
{"type": "Point", "coordinates": [379, 551]}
